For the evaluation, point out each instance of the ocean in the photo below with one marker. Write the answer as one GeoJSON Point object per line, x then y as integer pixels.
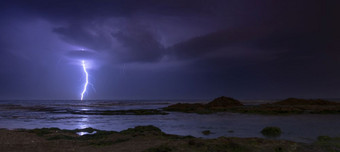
{"type": "Point", "coordinates": [31, 114]}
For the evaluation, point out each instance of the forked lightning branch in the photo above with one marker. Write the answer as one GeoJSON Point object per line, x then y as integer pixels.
{"type": "Point", "coordinates": [86, 80]}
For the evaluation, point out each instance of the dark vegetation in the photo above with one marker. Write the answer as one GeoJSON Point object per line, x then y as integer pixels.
{"type": "Point", "coordinates": [161, 148]}
{"type": "Point", "coordinates": [295, 101]}
{"type": "Point", "coordinates": [328, 143]}
{"type": "Point", "coordinates": [143, 131]}
{"type": "Point", "coordinates": [217, 105]}
{"type": "Point", "coordinates": [271, 131]}
{"type": "Point", "coordinates": [152, 139]}
{"type": "Point", "coordinates": [287, 106]}
{"type": "Point", "coordinates": [56, 133]}
{"type": "Point", "coordinates": [206, 132]}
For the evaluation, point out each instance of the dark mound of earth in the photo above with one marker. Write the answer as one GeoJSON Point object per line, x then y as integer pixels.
{"type": "Point", "coordinates": [224, 102]}
{"type": "Point", "coordinates": [218, 104]}
{"type": "Point", "coordinates": [288, 106]}
{"type": "Point", "coordinates": [296, 101]}
{"type": "Point", "coordinates": [186, 106]}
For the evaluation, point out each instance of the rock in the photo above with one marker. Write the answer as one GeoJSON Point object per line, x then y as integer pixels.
{"type": "Point", "coordinates": [185, 107]}
{"type": "Point", "coordinates": [271, 131]}
{"type": "Point", "coordinates": [143, 130]}
{"type": "Point", "coordinates": [296, 101]}
{"type": "Point", "coordinates": [217, 105]}
{"type": "Point", "coordinates": [206, 132]}
{"type": "Point", "coordinates": [224, 102]}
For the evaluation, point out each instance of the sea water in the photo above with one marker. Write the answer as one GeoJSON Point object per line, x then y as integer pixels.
{"type": "Point", "coordinates": [31, 114]}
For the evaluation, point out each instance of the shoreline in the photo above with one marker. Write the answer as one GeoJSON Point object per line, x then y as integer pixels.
{"type": "Point", "coordinates": [290, 106]}
{"type": "Point", "coordinates": [151, 139]}
{"type": "Point", "coordinates": [146, 139]}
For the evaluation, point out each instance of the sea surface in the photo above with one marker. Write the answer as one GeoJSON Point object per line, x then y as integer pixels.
{"type": "Point", "coordinates": [31, 114]}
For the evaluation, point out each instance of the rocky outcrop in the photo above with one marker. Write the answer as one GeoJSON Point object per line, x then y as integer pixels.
{"type": "Point", "coordinates": [224, 102]}
{"type": "Point", "coordinates": [296, 101]}
{"type": "Point", "coordinates": [218, 104]}
{"type": "Point", "coordinates": [284, 107]}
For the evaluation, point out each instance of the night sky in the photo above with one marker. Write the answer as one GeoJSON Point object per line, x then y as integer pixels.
{"type": "Point", "coordinates": [170, 49]}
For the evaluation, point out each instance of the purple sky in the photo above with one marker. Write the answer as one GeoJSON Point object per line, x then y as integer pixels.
{"type": "Point", "coordinates": [170, 49]}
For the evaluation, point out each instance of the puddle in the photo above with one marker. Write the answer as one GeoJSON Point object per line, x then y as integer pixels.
{"type": "Point", "coordinates": [86, 133]}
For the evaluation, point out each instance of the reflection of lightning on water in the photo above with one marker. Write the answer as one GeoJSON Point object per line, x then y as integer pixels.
{"type": "Point", "coordinates": [86, 79]}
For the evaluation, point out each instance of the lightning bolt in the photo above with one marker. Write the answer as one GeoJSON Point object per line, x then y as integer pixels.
{"type": "Point", "coordinates": [87, 79]}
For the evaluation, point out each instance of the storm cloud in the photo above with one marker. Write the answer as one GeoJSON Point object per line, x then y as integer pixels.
{"type": "Point", "coordinates": [170, 49]}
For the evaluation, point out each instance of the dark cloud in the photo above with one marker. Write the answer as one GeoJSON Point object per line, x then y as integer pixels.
{"type": "Point", "coordinates": [139, 45]}
{"type": "Point", "coordinates": [89, 9]}
{"type": "Point", "coordinates": [212, 42]}
{"type": "Point", "coordinates": [244, 48]}
{"type": "Point", "coordinates": [77, 34]}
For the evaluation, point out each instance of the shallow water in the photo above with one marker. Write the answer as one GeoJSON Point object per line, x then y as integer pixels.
{"type": "Point", "coordinates": [302, 128]}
